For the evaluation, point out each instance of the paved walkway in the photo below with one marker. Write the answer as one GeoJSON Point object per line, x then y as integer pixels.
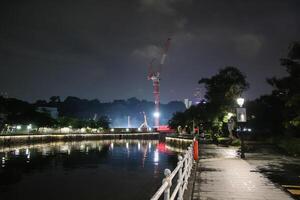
{"type": "Point", "coordinates": [222, 175]}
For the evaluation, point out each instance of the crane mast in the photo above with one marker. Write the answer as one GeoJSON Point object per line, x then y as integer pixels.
{"type": "Point", "coordinates": [154, 75]}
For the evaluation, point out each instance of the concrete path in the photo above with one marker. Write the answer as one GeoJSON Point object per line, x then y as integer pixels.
{"type": "Point", "coordinates": [222, 175]}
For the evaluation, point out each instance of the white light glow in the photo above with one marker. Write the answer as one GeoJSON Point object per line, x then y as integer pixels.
{"type": "Point", "coordinates": [112, 145]}
{"type": "Point", "coordinates": [65, 130]}
{"type": "Point", "coordinates": [19, 127]}
{"type": "Point", "coordinates": [240, 101]}
{"type": "Point", "coordinates": [112, 130]}
{"type": "Point", "coordinates": [127, 129]}
{"type": "Point", "coordinates": [29, 127]}
{"type": "Point", "coordinates": [156, 156]}
{"type": "Point", "coordinates": [17, 152]}
{"type": "Point", "coordinates": [156, 114]}
{"type": "Point", "coordinates": [139, 146]}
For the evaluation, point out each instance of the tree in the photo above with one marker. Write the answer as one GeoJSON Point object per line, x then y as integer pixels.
{"type": "Point", "coordinates": [222, 90]}
{"type": "Point", "coordinates": [287, 89]}
{"type": "Point", "coordinates": [266, 115]}
{"type": "Point", "coordinates": [178, 119]}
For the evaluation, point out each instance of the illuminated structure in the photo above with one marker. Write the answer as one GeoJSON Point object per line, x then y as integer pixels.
{"type": "Point", "coordinates": [154, 75]}
{"type": "Point", "coordinates": [144, 125]}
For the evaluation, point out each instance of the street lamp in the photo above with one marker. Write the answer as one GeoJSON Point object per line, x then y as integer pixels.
{"type": "Point", "coordinates": [241, 117]}
{"type": "Point", "coordinates": [240, 101]}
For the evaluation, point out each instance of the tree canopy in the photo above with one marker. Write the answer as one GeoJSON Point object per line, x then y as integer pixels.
{"type": "Point", "coordinates": [222, 90]}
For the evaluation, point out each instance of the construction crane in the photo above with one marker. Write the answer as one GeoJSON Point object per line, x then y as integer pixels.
{"type": "Point", "coordinates": [154, 75]}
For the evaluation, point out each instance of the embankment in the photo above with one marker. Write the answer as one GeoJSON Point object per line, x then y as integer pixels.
{"type": "Point", "coordinates": [40, 138]}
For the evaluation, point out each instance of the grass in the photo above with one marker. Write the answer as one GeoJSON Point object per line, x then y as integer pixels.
{"type": "Point", "coordinates": [290, 145]}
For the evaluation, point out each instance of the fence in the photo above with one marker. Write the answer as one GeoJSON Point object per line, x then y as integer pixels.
{"type": "Point", "coordinates": [183, 170]}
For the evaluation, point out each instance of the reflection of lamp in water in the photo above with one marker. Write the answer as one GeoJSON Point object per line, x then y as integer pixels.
{"type": "Point", "coordinates": [139, 146]}
{"type": "Point", "coordinates": [112, 145]}
{"type": "Point", "coordinates": [3, 161]}
{"type": "Point", "coordinates": [149, 145]}
{"type": "Point", "coordinates": [17, 152]}
{"type": "Point", "coordinates": [127, 145]}
{"type": "Point", "coordinates": [28, 157]}
{"type": "Point", "coordinates": [156, 156]}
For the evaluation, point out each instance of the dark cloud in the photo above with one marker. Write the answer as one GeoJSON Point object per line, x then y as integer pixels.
{"type": "Point", "coordinates": [101, 49]}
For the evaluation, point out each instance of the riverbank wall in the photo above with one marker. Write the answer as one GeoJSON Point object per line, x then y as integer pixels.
{"type": "Point", "coordinates": [40, 138]}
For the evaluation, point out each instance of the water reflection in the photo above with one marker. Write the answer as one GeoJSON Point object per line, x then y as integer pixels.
{"type": "Point", "coordinates": [84, 170]}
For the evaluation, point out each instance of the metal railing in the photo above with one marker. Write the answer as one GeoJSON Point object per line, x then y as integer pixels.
{"type": "Point", "coordinates": [183, 170]}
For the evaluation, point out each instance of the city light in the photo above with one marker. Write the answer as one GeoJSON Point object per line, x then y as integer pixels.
{"type": "Point", "coordinates": [156, 114]}
{"type": "Point", "coordinates": [29, 127]}
{"type": "Point", "coordinates": [156, 156]}
{"type": "Point", "coordinates": [240, 101]}
{"type": "Point", "coordinates": [112, 130]}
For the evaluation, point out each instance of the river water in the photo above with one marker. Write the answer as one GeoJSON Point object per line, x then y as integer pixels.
{"type": "Point", "coordinates": [89, 170]}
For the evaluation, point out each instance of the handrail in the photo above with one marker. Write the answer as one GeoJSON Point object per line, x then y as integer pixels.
{"type": "Point", "coordinates": [183, 169]}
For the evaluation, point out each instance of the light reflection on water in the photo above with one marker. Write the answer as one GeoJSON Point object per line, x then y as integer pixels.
{"type": "Point", "coordinates": [107, 169]}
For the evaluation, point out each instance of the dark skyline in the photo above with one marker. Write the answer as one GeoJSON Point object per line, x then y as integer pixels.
{"type": "Point", "coordinates": [101, 49]}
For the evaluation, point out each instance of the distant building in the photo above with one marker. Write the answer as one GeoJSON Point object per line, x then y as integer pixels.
{"type": "Point", "coordinates": [52, 111]}
{"type": "Point", "coordinates": [187, 103]}
{"type": "Point", "coordinates": [4, 95]}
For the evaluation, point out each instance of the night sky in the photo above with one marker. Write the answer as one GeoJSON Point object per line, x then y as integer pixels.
{"type": "Point", "coordinates": [101, 48]}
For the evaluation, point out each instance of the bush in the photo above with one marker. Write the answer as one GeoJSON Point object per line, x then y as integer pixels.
{"type": "Point", "coordinates": [290, 145]}
{"type": "Point", "coordinates": [236, 142]}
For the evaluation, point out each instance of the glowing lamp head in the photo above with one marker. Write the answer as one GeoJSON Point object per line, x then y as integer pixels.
{"type": "Point", "coordinates": [240, 101]}
{"type": "Point", "coordinates": [156, 114]}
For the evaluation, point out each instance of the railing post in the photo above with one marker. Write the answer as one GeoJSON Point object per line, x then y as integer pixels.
{"type": "Point", "coordinates": [180, 178]}
{"type": "Point", "coordinates": [167, 173]}
{"type": "Point", "coordinates": [191, 159]}
{"type": "Point", "coordinates": [186, 165]}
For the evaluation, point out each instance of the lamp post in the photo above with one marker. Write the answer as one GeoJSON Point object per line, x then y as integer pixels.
{"type": "Point", "coordinates": [241, 118]}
